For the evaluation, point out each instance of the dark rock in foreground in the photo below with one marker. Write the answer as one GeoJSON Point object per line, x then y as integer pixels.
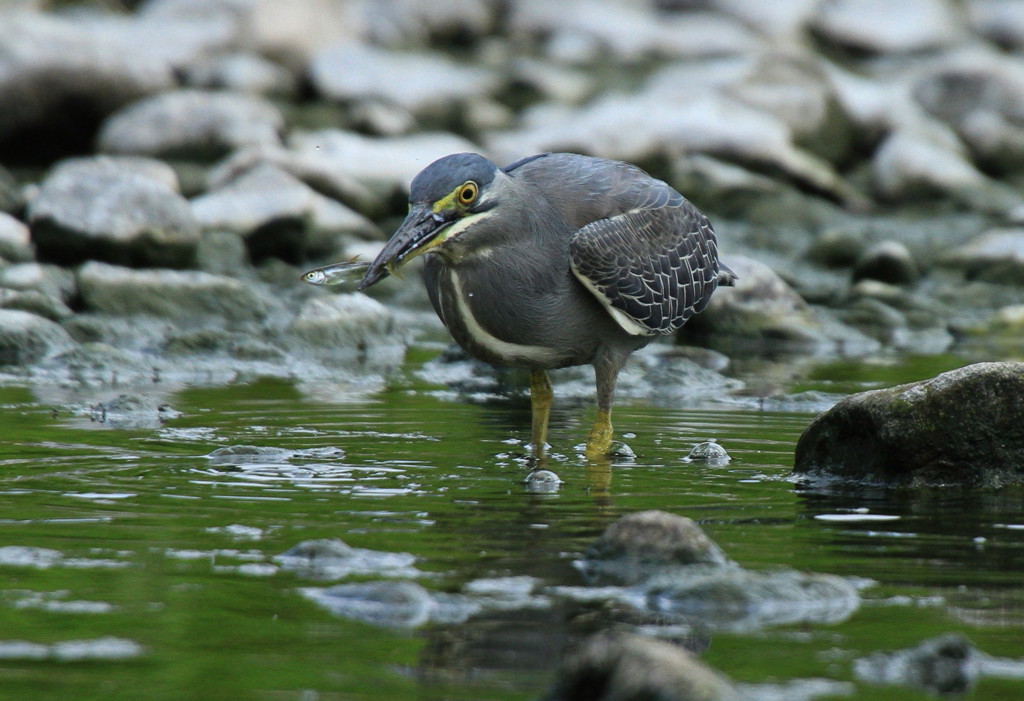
{"type": "Point", "coordinates": [963, 427]}
{"type": "Point", "coordinates": [632, 668]}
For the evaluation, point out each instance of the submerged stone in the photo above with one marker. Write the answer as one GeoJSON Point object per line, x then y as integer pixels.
{"type": "Point", "coordinates": [742, 600]}
{"type": "Point", "coordinates": [709, 452]}
{"type": "Point", "coordinates": [644, 543]}
{"type": "Point", "coordinates": [330, 558]}
{"type": "Point", "coordinates": [622, 667]}
{"type": "Point", "coordinates": [963, 427]}
{"type": "Point", "coordinates": [943, 665]}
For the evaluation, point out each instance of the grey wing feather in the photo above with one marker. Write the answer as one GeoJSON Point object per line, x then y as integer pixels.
{"type": "Point", "coordinates": [656, 263]}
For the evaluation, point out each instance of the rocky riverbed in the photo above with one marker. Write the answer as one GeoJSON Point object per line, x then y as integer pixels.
{"type": "Point", "coordinates": [170, 170]}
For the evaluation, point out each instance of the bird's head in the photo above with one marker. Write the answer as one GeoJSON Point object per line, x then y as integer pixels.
{"type": "Point", "coordinates": [445, 199]}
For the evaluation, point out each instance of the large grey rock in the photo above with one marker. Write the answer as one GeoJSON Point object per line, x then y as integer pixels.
{"type": "Point", "coordinates": [51, 280]}
{"type": "Point", "coordinates": [35, 302]}
{"type": "Point", "coordinates": [120, 211]}
{"type": "Point", "coordinates": [879, 26]}
{"type": "Point", "coordinates": [630, 31]}
{"type": "Point", "coordinates": [26, 338]}
{"type": "Point", "coordinates": [48, 60]}
{"type": "Point", "coordinates": [280, 215]}
{"type": "Point", "coordinates": [191, 123]}
{"type": "Point", "coordinates": [624, 667]}
{"type": "Point", "coordinates": [1000, 21]}
{"type": "Point", "coordinates": [763, 312]}
{"type": "Point", "coordinates": [963, 427]}
{"type": "Point", "coordinates": [173, 294]}
{"type": "Point", "coordinates": [671, 115]}
{"type": "Point", "coordinates": [240, 72]}
{"type": "Point", "coordinates": [364, 172]}
{"type": "Point", "coordinates": [291, 31]}
{"type": "Point", "coordinates": [929, 161]}
{"type": "Point", "coordinates": [980, 95]}
{"type": "Point", "coordinates": [422, 83]}
{"type": "Point", "coordinates": [71, 69]}
{"type": "Point", "coordinates": [996, 255]}
{"type": "Point", "coordinates": [15, 241]}
{"type": "Point", "coordinates": [352, 326]}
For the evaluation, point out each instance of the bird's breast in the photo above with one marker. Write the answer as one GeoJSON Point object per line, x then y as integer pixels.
{"type": "Point", "coordinates": [485, 324]}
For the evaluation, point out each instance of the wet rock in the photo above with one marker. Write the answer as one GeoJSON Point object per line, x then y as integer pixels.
{"type": "Point", "coordinates": [192, 124]}
{"type": "Point", "coordinates": [364, 172]}
{"type": "Point", "coordinates": [15, 243]}
{"type": "Point", "coordinates": [719, 186]}
{"type": "Point", "coordinates": [873, 309]}
{"type": "Point", "coordinates": [352, 326]}
{"type": "Point", "coordinates": [27, 338]}
{"type": "Point", "coordinates": [34, 302]}
{"type": "Point", "coordinates": [416, 22]}
{"type": "Point", "coordinates": [96, 364]}
{"type": "Point", "coordinates": [930, 162]}
{"type": "Point", "coordinates": [222, 253]}
{"type": "Point", "coordinates": [943, 665]}
{"type": "Point", "coordinates": [980, 95]}
{"type": "Point", "coordinates": [709, 452]}
{"type": "Point", "coordinates": [172, 294]}
{"type": "Point", "coordinates": [61, 71]}
{"type": "Point", "coordinates": [133, 411]}
{"type": "Point", "coordinates": [542, 482]}
{"type": "Point", "coordinates": [795, 88]}
{"type": "Point", "coordinates": [629, 32]}
{"type": "Point", "coordinates": [384, 603]}
{"type": "Point", "coordinates": [762, 312]}
{"type": "Point", "coordinates": [203, 342]}
{"type": "Point", "coordinates": [887, 261]}
{"type": "Point", "coordinates": [643, 543]}
{"type": "Point", "coordinates": [420, 83]}
{"type": "Point", "coordinates": [741, 600]}
{"type": "Point", "coordinates": [961, 427]}
{"type": "Point", "coordinates": [622, 667]}
{"type": "Point", "coordinates": [328, 559]}
{"type": "Point", "coordinates": [670, 117]}
{"type": "Point", "coordinates": [877, 26]}
{"type": "Point", "coordinates": [120, 211]}
{"type": "Point", "coordinates": [1000, 21]}
{"type": "Point", "coordinates": [279, 215]}
{"type": "Point", "coordinates": [995, 256]}
{"type": "Point", "coordinates": [290, 33]}
{"type": "Point", "coordinates": [47, 279]}
{"type": "Point", "coordinates": [836, 247]}
{"type": "Point", "coordinates": [240, 72]}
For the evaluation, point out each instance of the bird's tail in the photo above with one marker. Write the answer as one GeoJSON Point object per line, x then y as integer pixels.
{"type": "Point", "coordinates": [726, 277]}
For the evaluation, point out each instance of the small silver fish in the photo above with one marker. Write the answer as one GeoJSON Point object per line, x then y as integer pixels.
{"type": "Point", "coordinates": [336, 273]}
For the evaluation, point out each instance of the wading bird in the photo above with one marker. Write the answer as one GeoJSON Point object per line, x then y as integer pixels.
{"type": "Point", "coordinates": [555, 260]}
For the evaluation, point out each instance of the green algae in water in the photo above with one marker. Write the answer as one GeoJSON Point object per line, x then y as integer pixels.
{"type": "Point", "coordinates": [175, 550]}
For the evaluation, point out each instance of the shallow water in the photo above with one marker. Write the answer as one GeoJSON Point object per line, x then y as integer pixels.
{"type": "Point", "coordinates": [136, 566]}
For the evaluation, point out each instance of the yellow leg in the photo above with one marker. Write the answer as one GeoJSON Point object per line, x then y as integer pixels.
{"type": "Point", "coordinates": [600, 438]}
{"type": "Point", "coordinates": [540, 405]}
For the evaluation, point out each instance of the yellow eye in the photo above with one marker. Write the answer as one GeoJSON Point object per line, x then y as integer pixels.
{"type": "Point", "coordinates": [468, 192]}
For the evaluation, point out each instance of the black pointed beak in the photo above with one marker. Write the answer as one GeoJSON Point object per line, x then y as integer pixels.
{"type": "Point", "coordinates": [414, 236]}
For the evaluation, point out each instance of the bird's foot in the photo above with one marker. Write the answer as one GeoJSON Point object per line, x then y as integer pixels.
{"type": "Point", "coordinates": [599, 442]}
